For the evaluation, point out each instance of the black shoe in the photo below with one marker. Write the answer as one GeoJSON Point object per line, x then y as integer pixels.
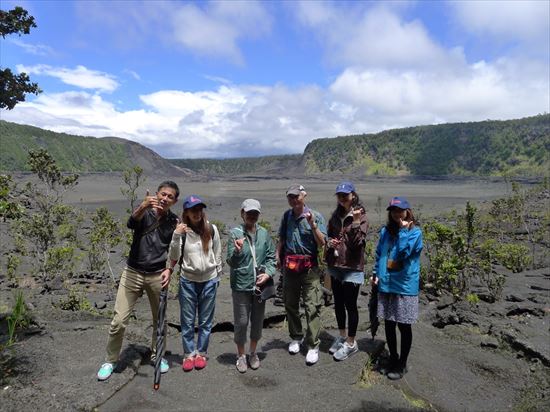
{"type": "Point", "coordinates": [397, 373]}
{"type": "Point", "coordinates": [386, 365]}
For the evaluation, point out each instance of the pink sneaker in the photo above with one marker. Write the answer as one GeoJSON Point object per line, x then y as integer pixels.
{"type": "Point", "coordinates": [200, 362]}
{"type": "Point", "coordinates": [188, 364]}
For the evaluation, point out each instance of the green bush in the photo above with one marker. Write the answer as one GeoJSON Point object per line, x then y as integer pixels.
{"type": "Point", "coordinates": [222, 227]}
{"type": "Point", "coordinates": [13, 264]}
{"type": "Point", "coordinates": [76, 302]}
{"type": "Point", "coordinates": [472, 298]}
{"type": "Point", "coordinates": [266, 225]}
{"type": "Point", "coordinates": [512, 256]}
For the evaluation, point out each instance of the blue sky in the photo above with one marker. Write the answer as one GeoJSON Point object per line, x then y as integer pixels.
{"type": "Point", "coordinates": [233, 79]}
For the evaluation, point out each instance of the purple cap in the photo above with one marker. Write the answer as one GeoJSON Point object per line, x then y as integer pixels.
{"type": "Point", "coordinates": [345, 187]}
{"type": "Point", "coordinates": [191, 201]}
{"type": "Point", "coordinates": [399, 202]}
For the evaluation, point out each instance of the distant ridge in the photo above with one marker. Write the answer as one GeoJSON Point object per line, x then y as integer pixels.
{"type": "Point", "coordinates": [263, 165]}
{"type": "Point", "coordinates": [77, 153]}
{"type": "Point", "coordinates": [489, 148]}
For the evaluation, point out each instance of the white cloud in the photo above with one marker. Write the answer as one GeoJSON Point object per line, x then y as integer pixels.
{"type": "Point", "coordinates": [216, 28]}
{"type": "Point", "coordinates": [80, 76]}
{"type": "Point", "coordinates": [521, 19]}
{"type": "Point", "coordinates": [498, 91]}
{"type": "Point", "coordinates": [132, 73]}
{"type": "Point", "coordinates": [393, 75]}
{"type": "Point", "coordinates": [248, 120]}
{"type": "Point", "coordinates": [36, 49]}
{"type": "Point", "coordinates": [373, 36]}
{"type": "Point", "coordinates": [211, 29]}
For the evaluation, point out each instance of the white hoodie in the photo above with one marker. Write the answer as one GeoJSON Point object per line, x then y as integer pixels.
{"type": "Point", "coordinates": [197, 266]}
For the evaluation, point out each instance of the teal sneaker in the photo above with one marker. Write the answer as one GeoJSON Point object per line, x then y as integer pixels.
{"type": "Point", "coordinates": [105, 371]}
{"type": "Point", "coordinates": [164, 366]}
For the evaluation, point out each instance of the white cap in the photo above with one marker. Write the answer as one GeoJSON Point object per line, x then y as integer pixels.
{"type": "Point", "coordinates": [251, 204]}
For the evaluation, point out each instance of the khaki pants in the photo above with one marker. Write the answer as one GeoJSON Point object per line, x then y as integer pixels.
{"type": "Point", "coordinates": [131, 287]}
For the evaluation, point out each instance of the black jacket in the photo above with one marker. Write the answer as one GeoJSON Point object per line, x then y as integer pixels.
{"type": "Point", "coordinates": [149, 251]}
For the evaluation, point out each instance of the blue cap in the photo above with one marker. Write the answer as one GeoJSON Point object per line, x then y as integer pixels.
{"type": "Point", "coordinates": [345, 187]}
{"type": "Point", "coordinates": [191, 201]}
{"type": "Point", "coordinates": [399, 202]}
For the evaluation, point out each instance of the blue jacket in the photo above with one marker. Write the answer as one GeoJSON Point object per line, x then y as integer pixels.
{"type": "Point", "coordinates": [405, 250]}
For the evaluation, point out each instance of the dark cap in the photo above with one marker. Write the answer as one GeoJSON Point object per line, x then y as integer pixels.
{"type": "Point", "coordinates": [399, 202]}
{"type": "Point", "coordinates": [345, 187]}
{"type": "Point", "coordinates": [191, 201]}
{"type": "Point", "coordinates": [295, 189]}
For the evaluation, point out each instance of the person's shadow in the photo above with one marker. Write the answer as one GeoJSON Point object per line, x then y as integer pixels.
{"type": "Point", "coordinates": [130, 354]}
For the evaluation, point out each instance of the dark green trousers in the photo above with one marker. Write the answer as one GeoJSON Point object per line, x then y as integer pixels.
{"type": "Point", "coordinates": [305, 285]}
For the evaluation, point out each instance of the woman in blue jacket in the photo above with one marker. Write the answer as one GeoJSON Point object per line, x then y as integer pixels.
{"type": "Point", "coordinates": [397, 273]}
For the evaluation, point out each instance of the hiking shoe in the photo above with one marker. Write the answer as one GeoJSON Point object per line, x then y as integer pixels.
{"type": "Point", "coordinates": [105, 371]}
{"type": "Point", "coordinates": [387, 365]}
{"type": "Point", "coordinates": [164, 366]}
{"type": "Point", "coordinates": [336, 344]}
{"type": "Point", "coordinates": [188, 364]}
{"type": "Point", "coordinates": [345, 351]}
{"type": "Point", "coordinates": [294, 347]}
{"type": "Point", "coordinates": [200, 362]}
{"type": "Point", "coordinates": [241, 363]}
{"type": "Point", "coordinates": [254, 360]}
{"type": "Point", "coordinates": [312, 356]}
{"type": "Point", "coordinates": [397, 373]}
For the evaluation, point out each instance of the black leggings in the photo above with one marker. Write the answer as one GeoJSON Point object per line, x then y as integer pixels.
{"type": "Point", "coordinates": [406, 340]}
{"type": "Point", "coordinates": [345, 299]}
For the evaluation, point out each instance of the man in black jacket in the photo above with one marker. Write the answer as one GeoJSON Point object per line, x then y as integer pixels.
{"type": "Point", "coordinates": [153, 224]}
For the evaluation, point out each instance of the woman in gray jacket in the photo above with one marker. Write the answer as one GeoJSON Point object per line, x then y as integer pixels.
{"type": "Point", "coordinates": [251, 257]}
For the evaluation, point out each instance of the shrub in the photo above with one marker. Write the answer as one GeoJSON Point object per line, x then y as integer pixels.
{"type": "Point", "coordinates": [222, 227]}
{"type": "Point", "coordinates": [472, 298]}
{"type": "Point", "coordinates": [76, 302]}
{"type": "Point", "coordinates": [512, 256]}
{"type": "Point", "coordinates": [13, 263]}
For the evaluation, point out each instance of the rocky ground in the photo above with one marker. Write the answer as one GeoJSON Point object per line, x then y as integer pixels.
{"type": "Point", "coordinates": [483, 357]}
{"type": "Point", "coordinates": [465, 356]}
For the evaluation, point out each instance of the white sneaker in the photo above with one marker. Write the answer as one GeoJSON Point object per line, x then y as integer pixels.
{"type": "Point", "coordinates": [312, 356]}
{"type": "Point", "coordinates": [294, 347]}
{"type": "Point", "coordinates": [336, 344]}
{"type": "Point", "coordinates": [345, 351]}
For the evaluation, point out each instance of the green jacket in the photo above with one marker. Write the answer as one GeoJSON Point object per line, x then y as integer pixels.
{"type": "Point", "coordinates": [242, 274]}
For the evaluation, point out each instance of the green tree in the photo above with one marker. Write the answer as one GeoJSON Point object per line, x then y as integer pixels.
{"type": "Point", "coordinates": [132, 178]}
{"type": "Point", "coordinates": [48, 226]}
{"type": "Point", "coordinates": [104, 235]}
{"type": "Point", "coordinates": [14, 87]}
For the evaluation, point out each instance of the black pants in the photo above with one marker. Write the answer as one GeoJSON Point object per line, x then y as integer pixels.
{"type": "Point", "coordinates": [345, 300]}
{"type": "Point", "coordinates": [406, 341]}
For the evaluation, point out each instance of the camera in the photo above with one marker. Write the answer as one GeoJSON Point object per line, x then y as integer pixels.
{"type": "Point", "coordinates": [259, 270]}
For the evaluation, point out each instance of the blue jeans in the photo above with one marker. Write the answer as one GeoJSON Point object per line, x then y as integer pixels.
{"type": "Point", "coordinates": [347, 275]}
{"type": "Point", "coordinates": [196, 297]}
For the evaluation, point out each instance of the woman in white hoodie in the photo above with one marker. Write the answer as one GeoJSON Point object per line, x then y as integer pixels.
{"type": "Point", "coordinates": [200, 270]}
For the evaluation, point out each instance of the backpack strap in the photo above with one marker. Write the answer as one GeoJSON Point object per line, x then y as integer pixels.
{"type": "Point", "coordinates": [286, 216]}
{"type": "Point", "coordinates": [151, 228]}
